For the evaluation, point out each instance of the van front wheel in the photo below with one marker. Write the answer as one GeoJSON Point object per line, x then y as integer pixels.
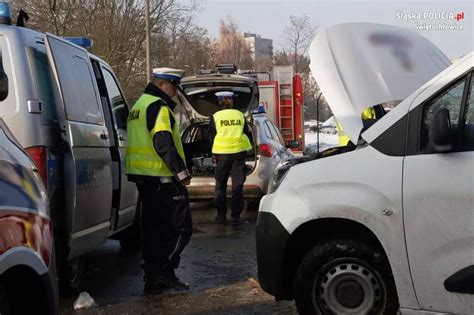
{"type": "Point", "coordinates": [343, 276]}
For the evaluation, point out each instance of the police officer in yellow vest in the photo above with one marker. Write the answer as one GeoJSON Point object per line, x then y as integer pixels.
{"type": "Point", "coordinates": [229, 135]}
{"type": "Point", "coordinates": [155, 161]}
{"type": "Point", "coordinates": [369, 116]}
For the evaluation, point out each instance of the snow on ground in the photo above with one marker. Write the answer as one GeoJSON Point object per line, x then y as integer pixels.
{"type": "Point", "coordinates": [326, 141]}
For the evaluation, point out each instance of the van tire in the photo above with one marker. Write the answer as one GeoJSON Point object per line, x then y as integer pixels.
{"type": "Point", "coordinates": [4, 305]}
{"type": "Point", "coordinates": [319, 286]}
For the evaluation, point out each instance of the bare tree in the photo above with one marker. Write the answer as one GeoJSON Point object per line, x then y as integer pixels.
{"type": "Point", "coordinates": [281, 59]}
{"type": "Point", "coordinates": [297, 37]}
{"type": "Point", "coordinates": [181, 44]}
{"type": "Point", "coordinates": [231, 46]}
{"type": "Point", "coordinates": [263, 64]}
{"type": "Point", "coordinates": [117, 28]}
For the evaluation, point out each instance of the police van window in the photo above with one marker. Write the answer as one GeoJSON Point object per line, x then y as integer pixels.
{"type": "Point", "coordinates": [77, 83]}
{"type": "Point", "coordinates": [86, 86]}
{"type": "Point", "coordinates": [450, 99]}
{"type": "Point", "coordinates": [119, 107]}
{"type": "Point", "coordinates": [43, 80]}
{"type": "Point", "coordinates": [3, 80]}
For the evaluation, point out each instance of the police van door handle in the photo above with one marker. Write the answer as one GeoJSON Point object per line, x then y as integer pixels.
{"type": "Point", "coordinates": [104, 136]}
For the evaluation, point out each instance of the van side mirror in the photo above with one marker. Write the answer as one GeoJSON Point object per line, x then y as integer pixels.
{"type": "Point", "coordinates": [293, 144]}
{"type": "Point", "coordinates": [440, 131]}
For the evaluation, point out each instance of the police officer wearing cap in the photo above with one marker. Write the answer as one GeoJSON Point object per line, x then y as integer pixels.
{"type": "Point", "coordinates": [229, 135]}
{"type": "Point", "coordinates": [155, 161]}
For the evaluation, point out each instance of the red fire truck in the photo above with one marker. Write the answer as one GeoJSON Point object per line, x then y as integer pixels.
{"type": "Point", "coordinates": [281, 92]}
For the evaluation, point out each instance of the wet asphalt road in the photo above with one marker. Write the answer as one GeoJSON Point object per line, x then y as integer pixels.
{"type": "Point", "coordinates": [219, 264]}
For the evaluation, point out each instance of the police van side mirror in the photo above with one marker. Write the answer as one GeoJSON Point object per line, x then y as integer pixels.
{"type": "Point", "coordinates": [440, 134]}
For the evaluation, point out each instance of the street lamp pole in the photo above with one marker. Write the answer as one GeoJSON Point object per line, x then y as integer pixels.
{"type": "Point", "coordinates": [148, 44]}
{"type": "Point", "coordinates": [317, 119]}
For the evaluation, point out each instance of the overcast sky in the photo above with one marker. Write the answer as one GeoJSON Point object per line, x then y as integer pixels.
{"type": "Point", "coordinates": [268, 18]}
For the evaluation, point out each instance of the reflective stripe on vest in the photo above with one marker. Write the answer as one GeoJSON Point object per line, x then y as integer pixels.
{"type": "Point", "coordinates": [141, 158]}
{"type": "Point", "coordinates": [230, 137]}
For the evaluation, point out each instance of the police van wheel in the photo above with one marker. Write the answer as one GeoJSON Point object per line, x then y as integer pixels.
{"type": "Point", "coordinates": [343, 276]}
{"type": "Point", "coordinates": [4, 306]}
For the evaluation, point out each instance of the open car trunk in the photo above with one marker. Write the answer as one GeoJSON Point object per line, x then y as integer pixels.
{"type": "Point", "coordinates": [198, 103]}
{"type": "Point", "coordinates": [197, 148]}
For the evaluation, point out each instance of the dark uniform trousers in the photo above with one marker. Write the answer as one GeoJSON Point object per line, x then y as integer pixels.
{"type": "Point", "coordinates": [166, 224]}
{"type": "Point", "coordinates": [233, 165]}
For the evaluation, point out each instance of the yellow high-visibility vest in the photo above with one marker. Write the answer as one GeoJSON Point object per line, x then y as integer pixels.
{"type": "Point", "coordinates": [342, 136]}
{"type": "Point", "coordinates": [230, 137]}
{"type": "Point", "coordinates": [141, 157]}
{"type": "Point", "coordinates": [368, 113]}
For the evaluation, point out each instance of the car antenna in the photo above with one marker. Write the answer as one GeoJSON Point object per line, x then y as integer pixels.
{"type": "Point", "coordinates": [23, 17]}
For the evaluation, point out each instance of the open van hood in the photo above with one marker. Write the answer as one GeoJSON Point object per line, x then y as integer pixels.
{"type": "Point", "coordinates": [200, 92]}
{"type": "Point", "coordinates": [359, 65]}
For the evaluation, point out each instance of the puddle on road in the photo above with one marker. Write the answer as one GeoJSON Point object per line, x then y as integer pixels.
{"type": "Point", "coordinates": [244, 297]}
{"type": "Point", "coordinates": [219, 263]}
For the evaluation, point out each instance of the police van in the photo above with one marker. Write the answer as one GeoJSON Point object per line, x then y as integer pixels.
{"type": "Point", "coordinates": [66, 108]}
{"type": "Point", "coordinates": [388, 226]}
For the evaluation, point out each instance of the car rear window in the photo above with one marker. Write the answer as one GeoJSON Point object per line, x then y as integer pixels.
{"type": "Point", "coordinates": [276, 132]}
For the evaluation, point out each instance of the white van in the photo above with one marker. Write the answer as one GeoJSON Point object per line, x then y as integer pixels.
{"type": "Point", "coordinates": [388, 226]}
{"type": "Point", "coordinates": [66, 108]}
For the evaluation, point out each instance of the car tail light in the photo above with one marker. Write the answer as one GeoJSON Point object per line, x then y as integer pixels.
{"type": "Point", "coordinates": [38, 155]}
{"type": "Point", "coordinates": [266, 150]}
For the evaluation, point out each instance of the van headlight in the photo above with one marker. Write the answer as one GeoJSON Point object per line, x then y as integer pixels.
{"type": "Point", "coordinates": [277, 177]}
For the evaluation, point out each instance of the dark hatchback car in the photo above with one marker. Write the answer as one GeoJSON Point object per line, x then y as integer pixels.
{"type": "Point", "coordinates": [28, 282]}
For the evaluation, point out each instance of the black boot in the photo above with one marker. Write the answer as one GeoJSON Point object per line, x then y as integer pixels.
{"type": "Point", "coordinates": [221, 218]}
{"type": "Point", "coordinates": [169, 280]}
{"type": "Point", "coordinates": [153, 285]}
{"type": "Point", "coordinates": [235, 222]}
